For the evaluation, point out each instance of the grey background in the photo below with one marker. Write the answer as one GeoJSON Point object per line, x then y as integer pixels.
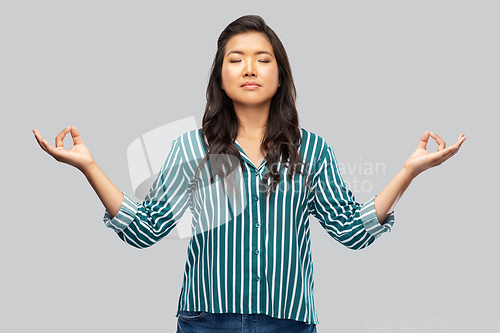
{"type": "Point", "coordinates": [372, 77]}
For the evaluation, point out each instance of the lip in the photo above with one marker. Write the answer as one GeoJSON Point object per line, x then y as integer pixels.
{"type": "Point", "coordinates": [250, 85]}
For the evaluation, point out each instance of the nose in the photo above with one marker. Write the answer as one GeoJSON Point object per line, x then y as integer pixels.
{"type": "Point", "coordinates": [250, 70]}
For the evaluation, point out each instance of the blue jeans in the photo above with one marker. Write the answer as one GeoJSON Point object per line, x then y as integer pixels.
{"type": "Point", "coordinates": [205, 322]}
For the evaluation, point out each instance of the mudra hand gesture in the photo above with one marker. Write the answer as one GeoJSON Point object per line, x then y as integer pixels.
{"type": "Point", "coordinates": [422, 160]}
{"type": "Point", "coordinates": [78, 156]}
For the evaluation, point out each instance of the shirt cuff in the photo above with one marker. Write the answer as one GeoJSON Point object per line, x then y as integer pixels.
{"type": "Point", "coordinates": [125, 216]}
{"type": "Point", "coordinates": [370, 221]}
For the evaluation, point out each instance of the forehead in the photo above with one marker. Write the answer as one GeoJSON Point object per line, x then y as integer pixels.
{"type": "Point", "coordinates": [248, 42]}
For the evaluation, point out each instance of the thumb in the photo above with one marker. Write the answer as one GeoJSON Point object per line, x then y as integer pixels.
{"type": "Point", "coordinates": [58, 154]}
{"type": "Point", "coordinates": [77, 139]}
{"type": "Point", "coordinates": [423, 140]}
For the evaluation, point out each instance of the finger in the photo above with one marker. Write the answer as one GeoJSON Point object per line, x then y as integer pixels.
{"type": "Point", "coordinates": [442, 153]}
{"type": "Point", "coordinates": [44, 144]}
{"type": "Point", "coordinates": [440, 142]}
{"type": "Point", "coordinates": [60, 137]}
{"type": "Point", "coordinates": [48, 146]}
{"type": "Point", "coordinates": [446, 154]}
{"type": "Point", "coordinates": [423, 141]}
{"type": "Point", "coordinates": [56, 152]}
{"type": "Point", "coordinates": [461, 139]}
{"type": "Point", "coordinates": [459, 142]}
{"type": "Point", "coordinates": [39, 139]}
{"type": "Point", "coordinates": [450, 152]}
{"type": "Point", "coordinates": [51, 150]}
{"type": "Point", "coordinates": [454, 152]}
{"type": "Point", "coordinates": [77, 139]}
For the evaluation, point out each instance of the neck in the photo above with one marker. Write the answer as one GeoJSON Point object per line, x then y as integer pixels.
{"type": "Point", "coordinates": [252, 121]}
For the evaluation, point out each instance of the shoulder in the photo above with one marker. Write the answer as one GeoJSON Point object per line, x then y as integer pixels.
{"type": "Point", "coordinates": [309, 135]}
{"type": "Point", "coordinates": [191, 144]}
{"type": "Point", "coordinates": [189, 138]}
{"type": "Point", "coordinates": [312, 143]}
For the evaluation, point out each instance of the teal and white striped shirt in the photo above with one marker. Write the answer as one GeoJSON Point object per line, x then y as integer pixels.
{"type": "Point", "coordinates": [252, 254]}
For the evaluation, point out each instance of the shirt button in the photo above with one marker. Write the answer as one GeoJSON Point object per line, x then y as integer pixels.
{"type": "Point", "coordinates": [256, 197]}
{"type": "Point", "coordinates": [257, 224]}
{"type": "Point", "coordinates": [257, 278]}
{"type": "Point", "coordinates": [257, 251]}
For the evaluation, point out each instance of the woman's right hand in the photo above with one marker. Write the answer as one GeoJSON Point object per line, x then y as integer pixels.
{"type": "Point", "coordinates": [78, 156]}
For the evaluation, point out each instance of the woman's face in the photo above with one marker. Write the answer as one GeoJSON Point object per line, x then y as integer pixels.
{"type": "Point", "coordinates": [250, 57]}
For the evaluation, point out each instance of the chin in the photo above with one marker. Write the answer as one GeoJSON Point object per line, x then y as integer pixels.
{"type": "Point", "coordinates": [251, 103]}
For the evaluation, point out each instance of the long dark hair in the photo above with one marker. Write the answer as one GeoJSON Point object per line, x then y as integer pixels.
{"type": "Point", "coordinates": [220, 123]}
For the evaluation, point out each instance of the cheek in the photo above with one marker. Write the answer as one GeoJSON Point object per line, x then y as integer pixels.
{"type": "Point", "coordinates": [223, 73]}
{"type": "Point", "coordinates": [273, 74]}
{"type": "Point", "coordinates": [227, 75]}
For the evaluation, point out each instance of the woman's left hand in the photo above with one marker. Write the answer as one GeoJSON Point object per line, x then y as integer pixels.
{"type": "Point", "coordinates": [422, 160]}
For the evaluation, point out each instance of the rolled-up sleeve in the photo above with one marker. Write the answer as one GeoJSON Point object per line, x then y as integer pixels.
{"type": "Point", "coordinates": [143, 224]}
{"type": "Point", "coordinates": [353, 224]}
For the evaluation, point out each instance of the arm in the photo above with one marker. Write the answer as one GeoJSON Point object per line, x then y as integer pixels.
{"type": "Point", "coordinates": [138, 224]}
{"type": "Point", "coordinates": [80, 157]}
{"type": "Point", "coordinates": [354, 225]}
{"type": "Point", "coordinates": [418, 162]}
{"type": "Point", "coordinates": [110, 196]}
{"type": "Point", "coordinates": [144, 224]}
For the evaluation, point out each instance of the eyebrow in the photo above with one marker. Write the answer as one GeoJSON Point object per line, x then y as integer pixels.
{"type": "Point", "coordinates": [258, 52]}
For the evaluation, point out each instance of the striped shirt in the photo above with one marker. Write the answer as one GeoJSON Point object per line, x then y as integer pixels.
{"type": "Point", "coordinates": [252, 253]}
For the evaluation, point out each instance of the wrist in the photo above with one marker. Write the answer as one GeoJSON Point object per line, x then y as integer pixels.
{"type": "Point", "coordinates": [408, 174]}
{"type": "Point", "coordinates": [90, 169]}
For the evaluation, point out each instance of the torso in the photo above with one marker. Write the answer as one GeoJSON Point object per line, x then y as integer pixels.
{"type": "Point", "coordinates": [252, 149]}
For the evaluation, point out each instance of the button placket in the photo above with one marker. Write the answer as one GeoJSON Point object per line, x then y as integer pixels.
{"type": "Point", "coordinates": [256, 209]}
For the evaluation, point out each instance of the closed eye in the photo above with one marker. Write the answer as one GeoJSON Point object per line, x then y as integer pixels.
{"type": "Point", "coordinates": [233, 61]}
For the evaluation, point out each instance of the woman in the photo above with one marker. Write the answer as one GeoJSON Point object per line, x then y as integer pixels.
{"type": "Point", "coordinates": [249, 262]}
